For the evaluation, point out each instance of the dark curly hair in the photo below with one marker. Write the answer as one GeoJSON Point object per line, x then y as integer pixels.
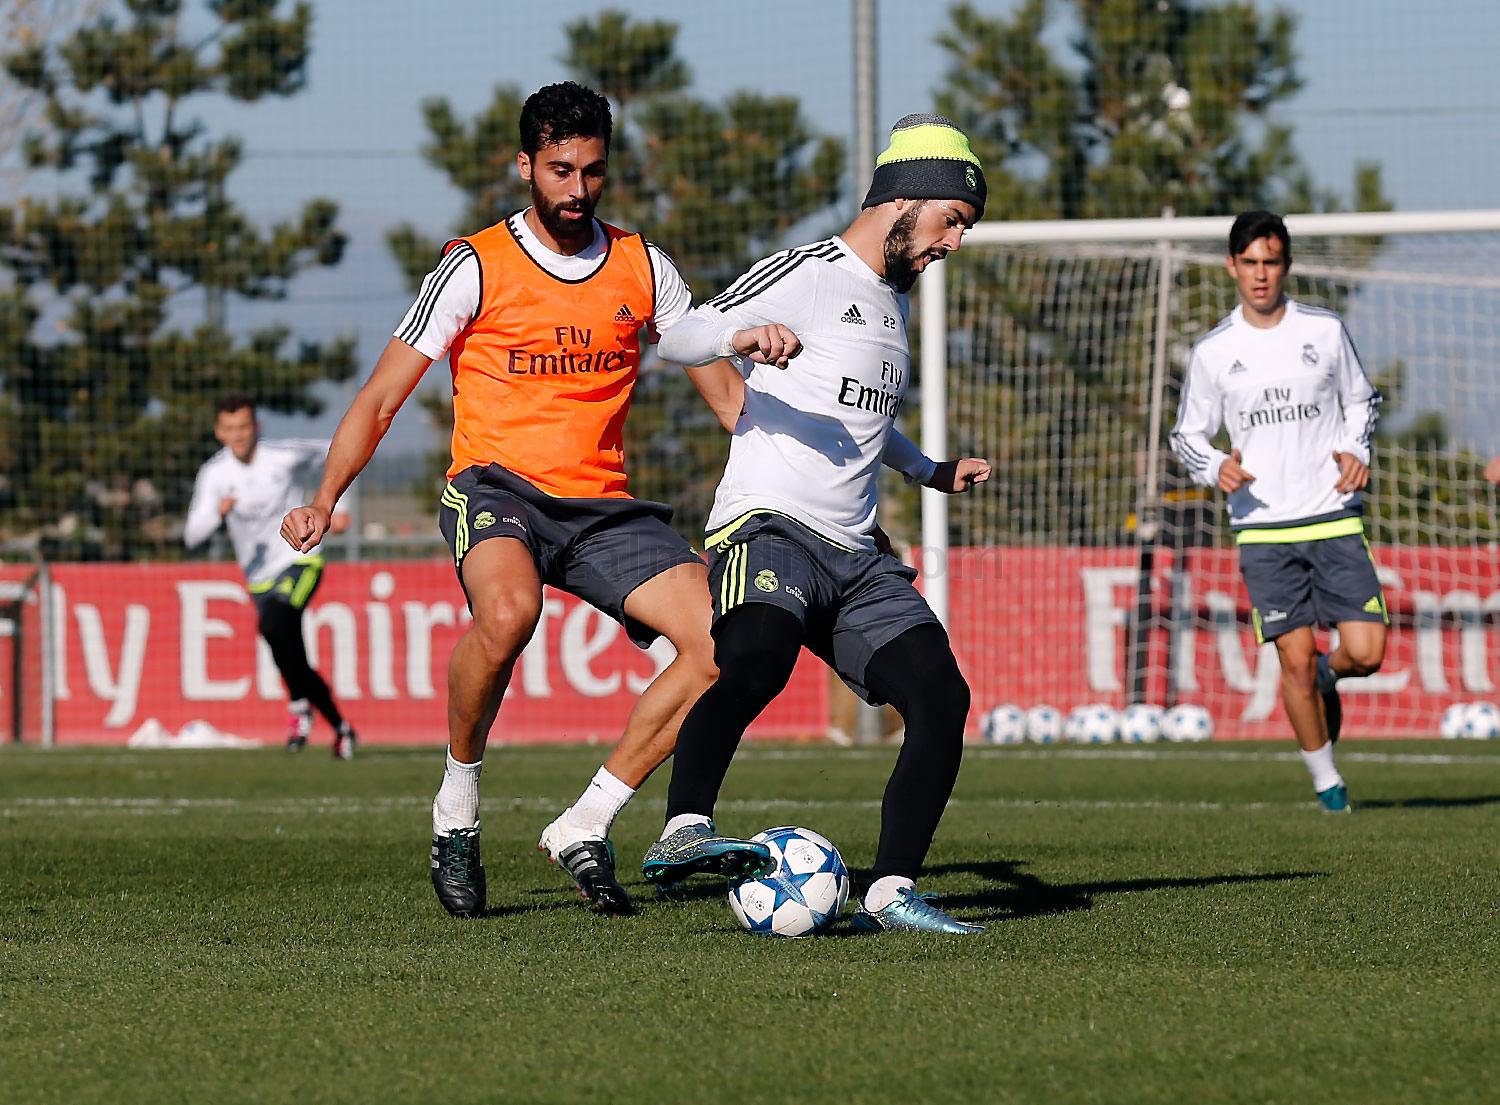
{"type": "Point", "coordinates": [562, 111]}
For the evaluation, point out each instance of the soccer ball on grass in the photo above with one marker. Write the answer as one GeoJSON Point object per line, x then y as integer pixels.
{"type": "Point", "coordinates": [803, 892]}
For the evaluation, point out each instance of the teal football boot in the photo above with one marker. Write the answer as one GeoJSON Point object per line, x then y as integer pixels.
{"type": "Point", "coordinates": [912, 912]}
{"type": "Point", "coordinates": [701, 850]}
{"type": "Point", "coordinates": [1335, 799]}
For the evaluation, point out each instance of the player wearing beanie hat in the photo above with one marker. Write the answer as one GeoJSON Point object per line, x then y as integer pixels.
{"type": "Point", "coordinates": [795, 554]}
{"type": "Point", "coordinates": [928, 158]}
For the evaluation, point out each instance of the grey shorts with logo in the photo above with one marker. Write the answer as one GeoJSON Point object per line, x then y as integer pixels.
{"type": "Point", "coordinates": [1306, 583]}
{"type": "Point", "coordinates": [597, 549]}
{"type": "Point", "coordinates": [850, 603]}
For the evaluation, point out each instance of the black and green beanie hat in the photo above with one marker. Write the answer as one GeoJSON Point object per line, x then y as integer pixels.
{"type": "Point", "coordinates": [928, 158]}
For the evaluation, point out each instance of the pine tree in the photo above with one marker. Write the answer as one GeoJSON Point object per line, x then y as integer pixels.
{"type": "Point", "coordinates": [716, 185]}
{"type": "Point", "coordinates": [106, 409]}
{"type": "Point", "coordinates": [1151, 104]}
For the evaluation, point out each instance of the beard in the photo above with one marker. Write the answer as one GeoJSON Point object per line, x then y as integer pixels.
{"type": "Point", "coordinates": [900, 258]}
{"type": "Point", "coordinates": [564, 230]}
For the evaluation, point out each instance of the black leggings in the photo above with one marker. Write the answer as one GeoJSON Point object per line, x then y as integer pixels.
{"type": "Point", "coordinates": [756, 649]}
{"type": "Point", "coordinates": [281, 626]}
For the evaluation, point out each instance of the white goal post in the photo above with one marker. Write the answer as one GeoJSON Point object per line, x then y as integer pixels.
{"type": "Point", "coordinates": [1054, 347]}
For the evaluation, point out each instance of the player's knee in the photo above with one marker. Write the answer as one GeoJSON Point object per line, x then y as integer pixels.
{"type": "Point", "coordinates": [695, 659]}
{"type": "Point", "coordinates": [944, 699]}
{"type": "Point", "coordinates": [1364, 657]}
{"type": "Point", "coordinates": [503, 626]}
{"type": "Point", "coordinates": [759, 669]}
{"type": "Point", "coordinates": [1299, 669]}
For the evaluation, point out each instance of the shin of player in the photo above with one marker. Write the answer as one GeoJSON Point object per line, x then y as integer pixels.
{"type": "Point", "coordinates": [246, 487]}
{"type": "Point", "coordinates": [541, 318]}
{"type": "Point", "coordinates": [1283, 378]}
{"type": "Point", "coordinates": [794, 562]}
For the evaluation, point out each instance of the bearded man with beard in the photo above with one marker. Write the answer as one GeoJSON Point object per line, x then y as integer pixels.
{"type": "Point", "coordinates": [794, 550]}
{"type": "Point", "coordinates": [541, 318]}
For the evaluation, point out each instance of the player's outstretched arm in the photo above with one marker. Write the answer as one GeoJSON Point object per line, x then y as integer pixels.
{"type": "Point", "coordinates": [954, 477]}
{"type": "Point", "coordinates": [365, 422]}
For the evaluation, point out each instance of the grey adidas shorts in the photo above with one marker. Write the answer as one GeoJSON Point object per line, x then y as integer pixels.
{"type": "Point", "coordinates": [850, 603]}
{"type": "Point", "coordinates": [597, 549]}
{"type": "Point", "coordinates": [1306, 583]}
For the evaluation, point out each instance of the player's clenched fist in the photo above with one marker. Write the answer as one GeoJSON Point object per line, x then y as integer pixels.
{"type": "Point", "coordinates": [772, 344]}
{"type": "Point", "coordinates": [1232, 474]}
{"type": "Point", "coordinates": [304, 526]}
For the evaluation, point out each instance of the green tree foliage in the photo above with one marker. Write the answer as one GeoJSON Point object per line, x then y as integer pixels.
{"type": "Point", "coordinates": [1103, 109]}
{"type": "Point", "coordinates": [106, 405]}
{"type": "Point", "coordinates": [717, 184]}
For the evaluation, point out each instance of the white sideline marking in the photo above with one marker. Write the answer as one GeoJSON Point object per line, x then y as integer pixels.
{"type": "Point", "coordinates": [169, 807]}
{"type": "Point", "coordinates": [1133, 753]}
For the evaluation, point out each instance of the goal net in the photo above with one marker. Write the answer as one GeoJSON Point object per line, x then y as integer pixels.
{"type": "Point", "coordinates": [1091, 569]}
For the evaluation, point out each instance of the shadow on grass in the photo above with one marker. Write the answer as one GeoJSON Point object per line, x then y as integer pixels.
{"type": "Point", "coordinates": [1430, 803]}
{"type": "Point", "coordinates": [1015, 893]}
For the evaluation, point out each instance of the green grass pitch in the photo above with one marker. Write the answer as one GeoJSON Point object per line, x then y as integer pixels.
{"type": "Point", "coordinates": [1166, 924]}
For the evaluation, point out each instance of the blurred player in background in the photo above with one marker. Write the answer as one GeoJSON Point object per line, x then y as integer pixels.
{"type": "Point", "coordinates": [247, 487]}
{"type": "Point", "coordinates": [792, 537]}
{"type": "Point", "coordinates": [541, 317]}
{"type": "Point", "coordinates": [1285, 380]}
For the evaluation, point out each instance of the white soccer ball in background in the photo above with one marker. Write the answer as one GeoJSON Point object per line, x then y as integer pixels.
{"type": "Point", "coordinates": [1073, 731]}
{"type": "Point", "coordinates": [1141, 723]}
{"type": "Point", "coordinates": [803, 892]}
{"type": "Point", "coordinates": [1482, 721]}
{"type": "Point", "coordinates": [1100, 724]}
{"type": "Point", "coordinates": [1187, 723]}
{"type": "Point", "coordinates": [1451, 726]}
{"type": "Point", "coordinates": [1044, 725]}
{"type": "Point", "coordinates": [1004, 725]}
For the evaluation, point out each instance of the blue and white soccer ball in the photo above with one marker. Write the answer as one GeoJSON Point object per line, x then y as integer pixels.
{"type": "Point", "coordinates": [1140, 723]}
{"type": "Point", "coordinates": [1044, 725]}
{"type": "Point", "coordinates": [1451, 726]}
{"type": "Point", "coordinates": [804, 891]}
{"type": "Point", "coordinates": [1004, 725]}
{"type": "Point", "coordinates": [1482, 721]}
{"type": "Point", "coordinates": [1187, 723]}
{"type": "Point", "coordinates": [1096, 723]}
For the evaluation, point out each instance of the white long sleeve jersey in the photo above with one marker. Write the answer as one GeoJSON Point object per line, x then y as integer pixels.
{"type": "Point", "coordinates": [273, 482]}
{"type": "Point", "coordinates": [1290, 396]}
{"type": "Point", "coordinates": [812, 437]}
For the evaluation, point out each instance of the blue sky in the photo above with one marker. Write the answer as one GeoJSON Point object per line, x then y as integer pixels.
{"type": "Point", "coordinates": [1415, 89]}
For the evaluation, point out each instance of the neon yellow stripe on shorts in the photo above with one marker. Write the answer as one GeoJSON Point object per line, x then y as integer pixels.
{"type": "Point", "coordinates": [732, 585]}
{"type": "Point", "coordinates": [1317, 531]}
{"type": "Point", "coordinates": [456, 499]}
{"type": "Point", "coordinates": [312, 568]}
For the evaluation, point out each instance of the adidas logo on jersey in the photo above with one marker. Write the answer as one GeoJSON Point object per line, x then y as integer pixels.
{"type": "Point", "coordinates": [1237, 367]}
{"type": "Point", "coordinates": [624, 315]}
{"type": "Point", "coordinates": [853, 316]}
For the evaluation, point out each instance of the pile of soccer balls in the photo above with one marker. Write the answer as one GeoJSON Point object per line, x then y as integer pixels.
{"type": "Point", "coordinates": [1096, 723]}
{"type": "Point", "coordinates": [1478, 721]}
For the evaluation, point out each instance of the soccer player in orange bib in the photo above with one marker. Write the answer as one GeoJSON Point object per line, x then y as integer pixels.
{"type": "Point", "coordinates": [541, 317]}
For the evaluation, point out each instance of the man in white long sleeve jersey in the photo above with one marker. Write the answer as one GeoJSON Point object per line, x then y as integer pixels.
{"type": "Point", "coordinates": [1285, 381]}
{"type": "Point", "coordinates": [246, 487]}
{"type": "Point", "coordinates": [793, 558]}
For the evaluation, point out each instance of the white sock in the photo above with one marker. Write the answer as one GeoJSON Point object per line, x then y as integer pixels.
{"type": "Point", "coordinates": [882, 891]}
{"type": "Point", "coordinates": [681, 821]}
{"type": "Point", "coordinates": [600, 803]}
{"type": "Point", "coordinates": [1320, 763]}
{"type": "Point", "coordinates": [457, 803]}
{"type": "Point", "coordinates": [299, 706]}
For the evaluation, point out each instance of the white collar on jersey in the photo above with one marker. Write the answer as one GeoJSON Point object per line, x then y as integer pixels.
{"type": "Point", "coordinates": [533, 245]}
